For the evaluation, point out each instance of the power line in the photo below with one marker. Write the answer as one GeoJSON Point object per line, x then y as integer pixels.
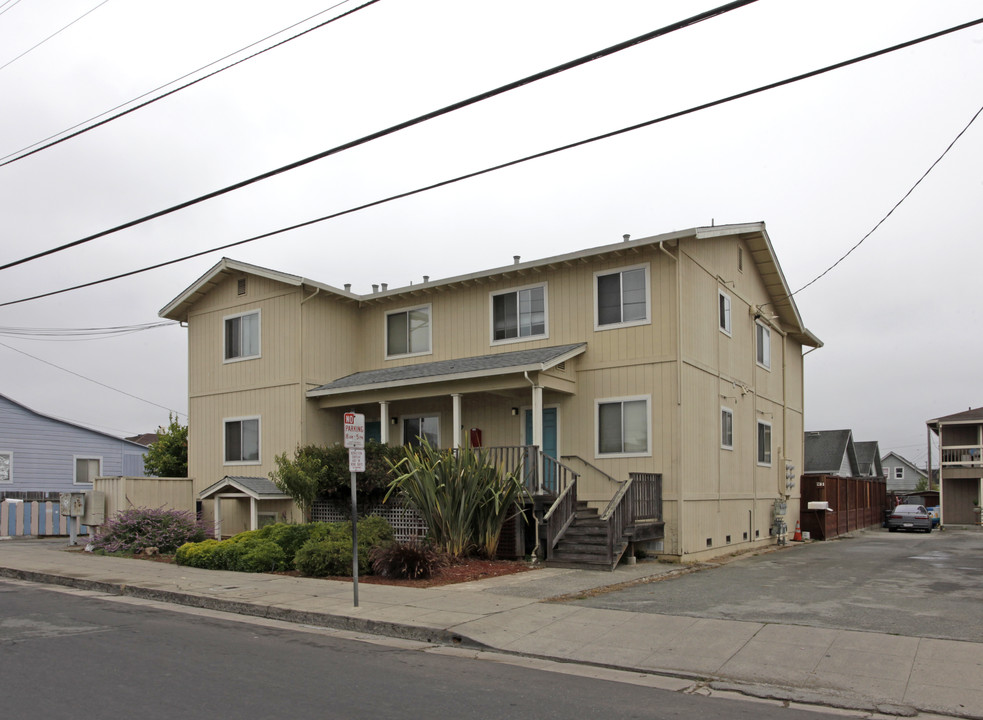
{"type": "Point", "coordinates": [78, 334]}
{"type": "Point", "coordinates": [34, 47]}
{"type": "Point", "coordinates": [23, 152]}
{"type": "Point", "coordinates": [511, 163]}
{"type": "Point", "coordinates": [101, 384]}
{"type": "Point", "coordinates": [396, 128]}
{"type": "Point", "coordinates": [8, 2]}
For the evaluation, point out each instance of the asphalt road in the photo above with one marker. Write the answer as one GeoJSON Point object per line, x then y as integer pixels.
{"type": "Point", "coordinates": [901, 583]}
{"type": "Point", "coordinates": [69, 654]}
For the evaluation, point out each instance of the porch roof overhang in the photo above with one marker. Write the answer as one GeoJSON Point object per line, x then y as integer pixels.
{"type": "Point", "coordinates": [479, 373]}
{"type": "Point", "coordinates": [253, 487]}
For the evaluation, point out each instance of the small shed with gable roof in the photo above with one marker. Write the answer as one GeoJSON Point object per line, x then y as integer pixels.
{"type": "Point", "coordinates": [266, 501]}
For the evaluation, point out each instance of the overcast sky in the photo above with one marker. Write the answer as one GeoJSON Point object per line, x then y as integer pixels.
{"type": "Point", "coordinates": [820, 162]}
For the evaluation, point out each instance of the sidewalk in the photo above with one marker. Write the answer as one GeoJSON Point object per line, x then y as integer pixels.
{"type": "Point", "coordinates": [890, 674]}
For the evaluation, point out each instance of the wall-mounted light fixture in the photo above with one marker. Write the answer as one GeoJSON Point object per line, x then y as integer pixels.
{"type": "Point", "coordinates": [515, 411]}
{"type": "Point", "coordinates": [394, 420]}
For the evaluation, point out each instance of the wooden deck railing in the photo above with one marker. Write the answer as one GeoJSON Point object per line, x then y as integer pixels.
{"type": "Point", "coordinates": [638, 499]}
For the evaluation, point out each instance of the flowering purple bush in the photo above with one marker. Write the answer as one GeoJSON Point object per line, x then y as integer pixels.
{"type": "Point", "coordinates": [133, 530]}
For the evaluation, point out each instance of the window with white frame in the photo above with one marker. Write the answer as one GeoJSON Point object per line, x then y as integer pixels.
{"type": "Point", "coordinates": [621, 297]}
{"type": "Point", "coordinates": [6, 467]}
{"type": "Point", "coordinates": [723, 312]}
{"type": "Point", "coordinates": [418, 429]}
{"type": "Point", "coordinates": [87, 469]}
{"type": "Point", "coordinates": [408, 332]}
{"type": "Point", "coordinates": [899, 472]}
{"type": "Point", "coordinates": [242, 441]}
{"type": "Point", "coordinates": [764, 443]}
{"type": "Point", "coordinates": [519, 314]}
{"type": "Point", "coordinates": [242, 336]}
{"type": "Point", "coordinates": [763, 343]}
{"type": "Point", "coordinates": [726, 428]}
{"type": "Point", "coordinates": [623, 426]}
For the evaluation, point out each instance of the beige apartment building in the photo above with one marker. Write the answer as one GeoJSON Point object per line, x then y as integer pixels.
{"type": "Point", "coordinates": [679, 355]}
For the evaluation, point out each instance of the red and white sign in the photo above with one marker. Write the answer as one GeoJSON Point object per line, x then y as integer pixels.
{"type": "Point", "coordinates": [356, 460]}
{"type": "Point", "coordinates": [354, 430]}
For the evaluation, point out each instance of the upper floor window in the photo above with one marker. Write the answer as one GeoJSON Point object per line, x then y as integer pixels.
{"type": "Point", "coordinates": [242, 440]}
{"type": "Point", "coordinates": [6, 467]}
{"type": "Point", "coordinates": [764, 443]}
{"type": "Point", "coordinates": [408, 332]}
{"type": "Point", "coordinates": [899, 472]}
{"type": "Point", "coordinates": [723, 312]}
{"type": "Point", "coordinates": [519, 314]}
{"type": "Point", "coordinates": [87, 469]}
{"type": "Point", "coordinates": [623, 426]}
{"type": "Point", "coordinates": [727, 428]}
{"type": "Point", "coordinates": [242, 336]}
{"type": "Point", "coordinates": [621, 297]}
{"type": "Point", "coordinates": [763, 341]}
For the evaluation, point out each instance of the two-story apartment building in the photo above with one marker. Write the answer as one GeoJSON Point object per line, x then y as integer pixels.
{"type": "Point", "coordinates": [678, 354]}
{"type": "Point", "coordinates": [960, 438]}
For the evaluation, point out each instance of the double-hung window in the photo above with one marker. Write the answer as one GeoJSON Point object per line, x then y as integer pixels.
{"type": "Point", "coordinates": [242, 441]}
{"type": "Point", "coordinates": [723, 312]}
{"type": "Point", "coordinates": [6, 467]}
{"type": "Point", "coordinates": [242, 336]}
{"type": "Point", "coordinates": [519, 314]}
{"type": "Point", "coordinates": [727, 428]}
{"type": "Point", "coordinates": [764, 443]}
{"type": "Point", "coordinates": [623, 426]}
{"type": "Point", "coordinates": [762, 335]}
{"type": "Point", "coordinates": [899, 472]}
{"type": "Point", "coordinates": [87, 469]}
{"type": "Point", "coordinates": [621, 298]}
{"type": "Point", "coordinates": [408, 332]}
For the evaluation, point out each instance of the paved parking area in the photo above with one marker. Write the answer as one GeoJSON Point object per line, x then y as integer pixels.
{"type": "Point", "coordinates": [900, 583]}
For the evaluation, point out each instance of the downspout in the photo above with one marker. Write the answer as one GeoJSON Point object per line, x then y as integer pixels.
{"type": "Point", "coordinates": [539, 465]}
{"type": "Point", "coordinates": [680, 515]}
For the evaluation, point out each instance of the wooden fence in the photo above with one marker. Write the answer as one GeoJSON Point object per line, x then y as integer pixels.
{"type": "Point", "coordinates": [36, 518]}
{"type": "Point", "coordinates": [856, 503]}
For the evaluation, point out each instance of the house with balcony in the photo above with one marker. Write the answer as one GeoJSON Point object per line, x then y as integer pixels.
{"type": "Point", "coordinates": [656, 381]}
{"type": "Point", "coordinates": [960, 438]}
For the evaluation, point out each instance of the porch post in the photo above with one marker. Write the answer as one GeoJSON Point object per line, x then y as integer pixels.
{"type": "Point", "coordinates": [384, 422]}
{"type": "Point", "coordinates": [253, 513]}
{"type": "Point", "coordinates": [218, 517]}
{"type": "Point", "coordinates": [537, 433]}
{"type": "Point", "coordinates": [456, 436]}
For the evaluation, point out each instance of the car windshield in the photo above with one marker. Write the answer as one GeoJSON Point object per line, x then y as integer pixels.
{"type": "Point", "coordinates": [909, 509]}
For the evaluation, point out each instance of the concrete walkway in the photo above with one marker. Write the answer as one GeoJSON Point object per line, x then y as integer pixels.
{"type": "Point", "coordinates": [890, 674]}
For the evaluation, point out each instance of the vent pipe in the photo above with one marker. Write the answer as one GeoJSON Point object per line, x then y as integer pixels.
{"type": "Point", "coordinates": [385, 286]}
{"type": "Point", "coordinates": [375, 288]}
{"type": "Point", "coordinates": [426, 278]}
{"type": "Point", "coordinates": [348, 287]}
{"type": "Point", "coordinates": [626, 237]}
{"type": "Point", "coordinates": [516, 258]}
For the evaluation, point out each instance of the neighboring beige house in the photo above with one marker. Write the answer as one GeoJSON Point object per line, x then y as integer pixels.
{"type": "Point", "coordinates": [677, 355]}
{"type": "Point", "coordinates": [960, 465]}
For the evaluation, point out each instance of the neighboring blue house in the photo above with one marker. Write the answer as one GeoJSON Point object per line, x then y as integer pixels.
{"type": "Point", "coordinates": [902, 474]}
{"type": "Point", "coordinates": [41, 456]}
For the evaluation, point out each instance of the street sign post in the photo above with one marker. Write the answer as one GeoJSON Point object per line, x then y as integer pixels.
{"type": "Point", "coordinates": [355, 442]}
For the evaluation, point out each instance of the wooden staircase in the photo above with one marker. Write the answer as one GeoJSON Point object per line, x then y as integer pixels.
{"type": "Point", "coordinates": [584, 545]}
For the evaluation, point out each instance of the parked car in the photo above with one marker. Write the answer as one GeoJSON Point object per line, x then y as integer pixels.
{"type": "Point", "coordinates": [910, 517]}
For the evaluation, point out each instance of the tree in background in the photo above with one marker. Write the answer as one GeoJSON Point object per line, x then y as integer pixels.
{"type": "Point", "coordinates": [168, 457]}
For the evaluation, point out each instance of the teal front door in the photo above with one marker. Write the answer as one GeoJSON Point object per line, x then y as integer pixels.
{"type": "Point", "coordinates": [549, 445]}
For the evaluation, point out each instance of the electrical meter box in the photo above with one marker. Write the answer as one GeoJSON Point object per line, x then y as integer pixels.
{"type": "Point", "coordinates": [71, 504]}
{"type": "Point", "coordinates": [95, 508]}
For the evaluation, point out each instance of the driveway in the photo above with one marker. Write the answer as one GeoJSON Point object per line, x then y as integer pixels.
{"type": "Point", "coordinates": [901, 583]}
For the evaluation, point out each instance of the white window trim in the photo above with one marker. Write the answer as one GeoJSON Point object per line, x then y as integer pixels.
{"type": "Point", "coordinates": [259, 340]}
{"type": "Point", "coordinates": [597, 426]}
{"type": "Point", "coordinates": [727, 411]}
{"type": "Point", "coordinates": [767, 356]}
{"type": "Point", "coordinates": [647, 320]}
{"type": "Point", "coordinates": [10, 467]}
{"type": "Point", "coordinates": [259, 440]}
{"type": "Point", "coordinates": [385, 331]}
{"type": "Point", "coordinates": [75, 459]}
{"type": "Point", "coordinates": [491, 314]}
{"type": "Point", "coordinates": [899, 475]}
{"type": "Point", "coordinates": [771, 443]}
{"type": "Point", "coordinates": [411, 415]}
{"type": "Point", "coordinates": [728, 330]}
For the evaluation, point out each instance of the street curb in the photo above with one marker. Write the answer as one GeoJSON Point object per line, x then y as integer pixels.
{"type": "Point", "coordinates": [434, 636]}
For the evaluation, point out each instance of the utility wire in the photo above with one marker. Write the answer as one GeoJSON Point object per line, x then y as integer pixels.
{"type": "Point", "coordinates": [396, 128]}
{"type": "Point", "coordinates": [78, 334]}
{"type": "Point", "coordinates": [23, 153]}
{"type": "Point", "coordinates": [11, 62]}
{"type": "Point", "coordinates": [109, 387]}
{"type": "Point", "coordinates": [896, 205]}
{"type": "Point", "coordinates": [545, 153]}
{"type": "Point", "coordinates": [2, 11]}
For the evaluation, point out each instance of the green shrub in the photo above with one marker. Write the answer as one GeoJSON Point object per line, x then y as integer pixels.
{"type": "Point", "coordinates": [197, 554]}
{"type": "Point", "coordinates": [289, 536]}
{"type": "Point", "coordinates": [135, 529]}
{"type": "Point", "coordinates": [259, 555]}
{"type": "Point", "coordinates": [330, 557]}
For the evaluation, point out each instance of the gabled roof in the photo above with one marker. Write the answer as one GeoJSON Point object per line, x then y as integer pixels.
{"type": "Point", "coordinates": [255, 487]}
{"type": "Point", "coordinates": [136, 446]}
{"type": "Point", "coordinates": [145, 439]}
{"type": "Point", "coordinates": [826, 449]}
{"type": "Point", "coordinates": [782, 304]}
{"type": "Point", "coordinates": [973, 416]}
{"type": "Point", "coordinates": [538, 359]}
{"type": "Point", "coordinates": [904, 461]}
{"type": "Point", "coordinates": [868, 458]}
